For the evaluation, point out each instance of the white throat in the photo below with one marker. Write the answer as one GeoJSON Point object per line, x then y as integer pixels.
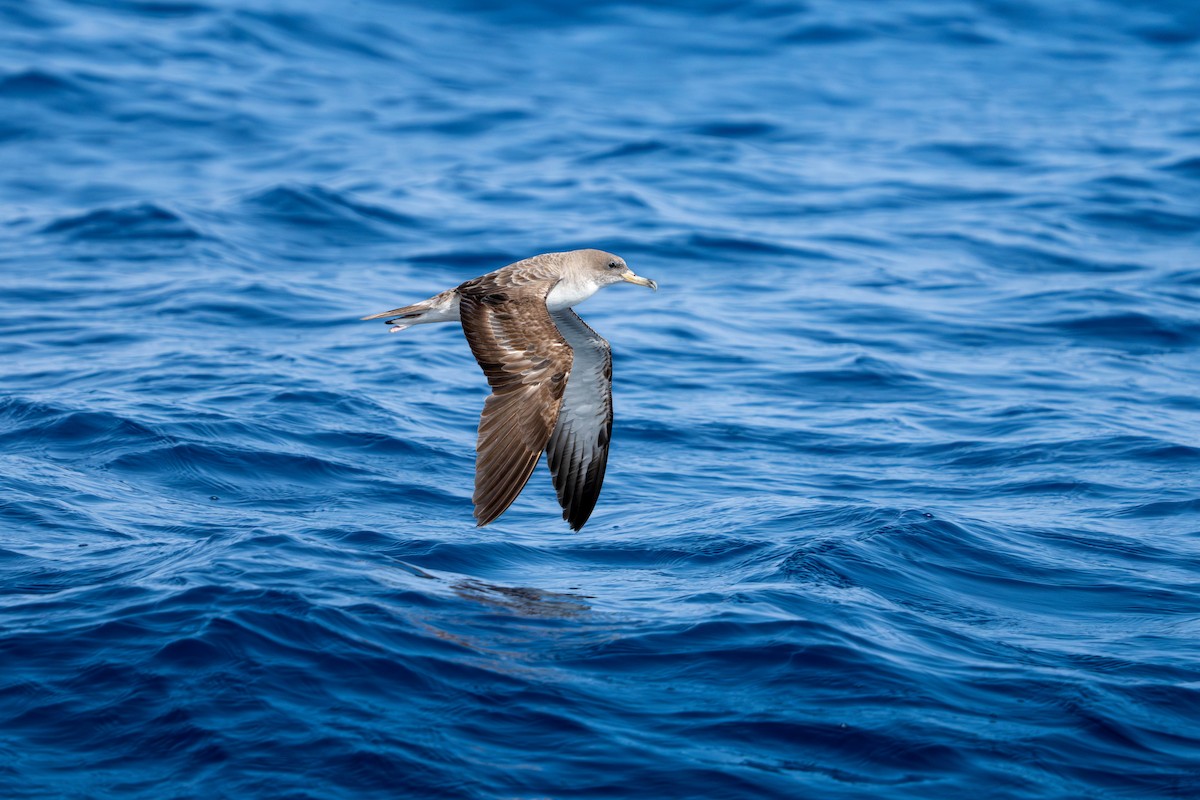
{"type": "Point", "coordinates": [567, 293]}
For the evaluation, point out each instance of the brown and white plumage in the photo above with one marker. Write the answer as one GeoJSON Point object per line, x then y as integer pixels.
{"type": "Point", "coordinates": [551, 375]}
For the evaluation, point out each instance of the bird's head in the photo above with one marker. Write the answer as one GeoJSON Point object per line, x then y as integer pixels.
{"type": "Point", "coordinates": [605, 268]}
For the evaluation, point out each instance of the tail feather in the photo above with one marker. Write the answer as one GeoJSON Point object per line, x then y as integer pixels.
{"type": "Point", "coordinates": [413, 310]}
{"type": "Point", "coordinates": [411, 313]}
{"type": "Point", "coordinates": [439, 308]}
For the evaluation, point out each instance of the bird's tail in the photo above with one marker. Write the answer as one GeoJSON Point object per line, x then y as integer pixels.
{"type": "Point", "coordinates": [439, 308]}
{"type": "Point", "coordinates": [401, 317]}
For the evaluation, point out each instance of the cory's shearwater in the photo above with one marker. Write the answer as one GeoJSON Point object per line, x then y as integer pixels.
{"type": "Point", "coordinates": [551, 375]}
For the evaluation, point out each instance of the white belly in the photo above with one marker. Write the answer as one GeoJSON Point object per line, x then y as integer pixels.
{"type": "Point", "coordinates": [565, 295]}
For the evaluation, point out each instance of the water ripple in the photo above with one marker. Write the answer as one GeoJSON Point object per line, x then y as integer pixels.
{"type": "Point", "coordinates": [902, 500]}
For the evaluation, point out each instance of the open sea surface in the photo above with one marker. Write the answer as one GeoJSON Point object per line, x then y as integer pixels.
{"type": "Point", "coordinates": [904, 495]}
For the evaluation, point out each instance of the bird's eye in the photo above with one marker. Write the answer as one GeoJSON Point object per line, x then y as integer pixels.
{"type": "Point", "coordinates": [614, 265]}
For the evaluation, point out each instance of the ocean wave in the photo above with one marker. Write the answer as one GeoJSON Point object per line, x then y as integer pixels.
{"type": "Point", "coordinates": [142, 221]}
{"type": "Point", "coordinates": [901, 499]}
{"type": "Point", "coordinates": [304, 208]}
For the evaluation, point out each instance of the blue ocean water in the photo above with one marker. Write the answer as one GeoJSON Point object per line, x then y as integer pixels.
{"type": "Point", "coordinates": [904, 495]}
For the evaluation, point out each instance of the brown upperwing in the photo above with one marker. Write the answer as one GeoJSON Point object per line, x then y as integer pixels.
{"type": "Point", "coordinates": [527, 363]}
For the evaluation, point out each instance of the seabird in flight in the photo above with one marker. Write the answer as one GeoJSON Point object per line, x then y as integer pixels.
{"type": "Point", "coordinates": [551, 375]}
